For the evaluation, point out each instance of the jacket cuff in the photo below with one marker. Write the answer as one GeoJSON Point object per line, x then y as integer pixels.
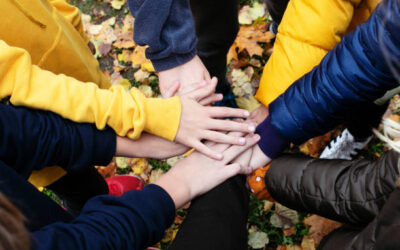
{"type": "Point", "coordinates": [105, 143]}
{"type": "Point", "coordinates": [172, 61]}
{"type": "Point", "coordinates": [272, 143]}
{"type": "Point", "coordinates": [163, 116]}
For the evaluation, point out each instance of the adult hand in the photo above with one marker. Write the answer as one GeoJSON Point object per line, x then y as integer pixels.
{"type": "Point", "coordinates": [200, 122]}
{"type": "Point", "coordinates": [198, 173]}
{"type": "Point", "coordinates": [186, 74]}
{"type": "Point", "coordinates": [148, 146]}
{"type": "Point", "coordinates": [259, 114]}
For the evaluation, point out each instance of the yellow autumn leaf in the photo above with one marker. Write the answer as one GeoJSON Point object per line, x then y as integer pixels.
{"type": "Point", "coordinates": [117, 4]}
{"type": "Point", "coordinates": [138, 165]}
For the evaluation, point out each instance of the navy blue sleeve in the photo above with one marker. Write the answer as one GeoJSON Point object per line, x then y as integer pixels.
{"type": "Point", "coordinates": [134, 221]}
{"type": "Point", "coordinates": [358, 70]}
{"type": "Point", "coordinates": [167, 27]}
{"type": "Point", "coordinates": [33, 139]}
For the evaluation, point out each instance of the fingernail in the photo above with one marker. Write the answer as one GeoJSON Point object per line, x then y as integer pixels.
{"type": "Point", "coordinates": [218, 156]}
{"type": "Point", "coordinates": [246, 113]}
{"type": "Point", "coordinates": [242, 141]}
{"type": "Point", "coordinates": [251, 128]}
{"type": "Point", "coordinates": [256, 137]}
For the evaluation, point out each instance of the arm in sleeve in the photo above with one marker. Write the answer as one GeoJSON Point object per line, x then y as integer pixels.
{"type": "Point", "coordinates": [128, 113]}
{"type": "Point", "coordinates": [348, 191]}
{"type": "Point", "coordinates": [136, 220]}
{"type": "Point", "coordinates": [359, 70]}
{"type": "Point", "coordinates": [32, 139]}
{"type": "Point", "coordinates": [167, 27]}
{"type": "Point", "coordinates": [72, 14]}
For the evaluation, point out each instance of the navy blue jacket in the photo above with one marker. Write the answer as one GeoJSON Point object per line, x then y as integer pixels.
{"type": "Point", "coordinates": [360, 69]}
{"type": "Point", "coordinates": [167, 27]}
{"type": "Point", "coordinates": [31, 140]}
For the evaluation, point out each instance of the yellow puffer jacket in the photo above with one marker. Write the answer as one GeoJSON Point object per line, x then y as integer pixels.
{"type": "Point", "coordinates": [45, 64]}
{"type": "Point", "coordinates": [308, 30]}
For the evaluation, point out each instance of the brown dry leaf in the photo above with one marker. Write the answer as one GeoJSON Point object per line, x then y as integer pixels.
{"type": "Point", "coordinates": [289, 231]}
{"type": "Point", "coordinates": [125, 34]}
{"type": "Point", "coordinates": [103, 49]}
{"type": "Point", "coordinates": [252, 47]}
{"type": "Point", "coordinates": [141, 75]}
{"type": "Point", "coordinates": [314, 146]}
{"type": "Point", "coordinates": [307, 243]}
{"type": "Point", "coordinates": [107, 171]}
{"type": "Point", "coordinates": [293, 247]}
{"type": "Point", "coordinates": [258, 33]}
{"type": "Point", "coordinates": [320, 227]}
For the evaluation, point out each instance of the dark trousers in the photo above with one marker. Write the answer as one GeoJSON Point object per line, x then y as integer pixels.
{"type": "Point", "coordinates": [216, 28]}
{"type": "Point", "coordinates": [76, 188]}
{"type": "Point", "coordinates": [216, 220]}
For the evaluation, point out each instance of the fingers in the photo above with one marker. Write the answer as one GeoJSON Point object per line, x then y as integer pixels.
{"type": "Point", "coordinates": [230, 125]}
{"type": "Point", "coordinates": [224, 138]}
{"type": "Point", "coordinates": [207, 151]}
{"type": "Point", "coordinates": [233, 151]}
{"type": "Point", "coordinates": [172, 90]}
{"type": "Point", "coordinates": [234, 169]}
{"type": "Point", "coordinates": [211, 99]}
{"type": "Point", "coordinates": [205, 91]}
{"type": "Point", "coordinates": [192, 87]}
{"type": "Point", "coordinates": [224, 112]}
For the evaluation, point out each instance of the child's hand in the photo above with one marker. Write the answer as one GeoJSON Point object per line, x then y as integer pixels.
{"type": "Point", "coordinates": [258, 158]}
{"type": "Point", "coordinates": [199, 122]}
{"type": "Point", "coordinates": [197, 173]}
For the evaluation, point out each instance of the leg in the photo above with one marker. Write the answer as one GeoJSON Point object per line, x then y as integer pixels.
{"type": "Point", "coordinates": [216, 220]}
{"type": "Point", "coordinates": [77, 188]}
{"type": "Point", "coordinates": [216, 28]}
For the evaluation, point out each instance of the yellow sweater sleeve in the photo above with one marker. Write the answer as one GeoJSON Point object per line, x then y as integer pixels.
{"type": "Point", "coordinates": [72, 14]}
{"type": "Point", "coordinates": [128, 113]}
{"type": "Point", "coordinates": [309, 29]}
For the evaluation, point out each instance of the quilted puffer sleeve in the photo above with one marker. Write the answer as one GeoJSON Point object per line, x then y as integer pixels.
{"type": "Point", "coordinates": [347, 191]}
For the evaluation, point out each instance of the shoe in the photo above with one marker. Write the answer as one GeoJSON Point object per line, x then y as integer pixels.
{"type": "Point", "coordinates": [345, 146]}
{"type": "Point", "coordinates": [120, 184]}
{"type": "Point", "coordinates": [273, 27]}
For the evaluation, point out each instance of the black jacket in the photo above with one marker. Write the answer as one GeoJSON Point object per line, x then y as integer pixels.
{"type": "Point", "coordinates": [360, 193]}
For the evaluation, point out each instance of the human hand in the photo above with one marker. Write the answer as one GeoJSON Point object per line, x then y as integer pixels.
{"type": "Point", "coordinates": [259, 114]}
{"type": "Point", "coordinates": [148, 146]}
{"type": "Point", "coordinates": [258, 158]}
{"type": "Point", "coordinates": [186, 74]}
{"type": "Point", "coordinates": [208, 100]}
{"type": "Point", "coordinates": [199, 122]}
{"type": "Point", "coordinates": [198, 173]}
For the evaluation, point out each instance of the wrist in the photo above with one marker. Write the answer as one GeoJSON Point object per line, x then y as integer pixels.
{"type": "Point", "coordinates": [177, 189]}
{"type": "Point", "coordinates": [272, 143]}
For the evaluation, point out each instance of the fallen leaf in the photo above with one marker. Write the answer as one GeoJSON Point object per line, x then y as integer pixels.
{"type": "Point", "coordinates": [244, 16]}
{"type": "Point", "coordinates": [107, 171]}
{"type": "Point", "coordinates": [283, 217]}
{"type": "Point", "coordinates": [314, 146]}
{"type": "Point", "coordinates": [289, 231]}
{"type": "Point", "coordinates": [258, 239]}
{"type": "Point", "coordinates": [250, 103]}
{"type": "Point", "coordinates": [155, 174]}
{"type": "Point", "coordinates": [268, 205]}
{"type": "Point", "coordinates": [307, 243]}
{"type": "Point", "coordinates": [320, 227]}
{"type": "Point", "coordinates": [146, 90]}
{"type": "Point", "coordinates": [122, 162]}
{"type": "Point", "coordinates": [141, 75]}
{"type": "Point", "coordinates": [138, 165]}
{"type": "Point", "coordinates": [117, 4]}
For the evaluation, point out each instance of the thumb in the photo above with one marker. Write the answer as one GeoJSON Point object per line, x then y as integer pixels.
{"type": "Point", "coordinates": [172, 90]}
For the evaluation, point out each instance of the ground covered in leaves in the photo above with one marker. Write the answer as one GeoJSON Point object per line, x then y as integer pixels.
{"type": "Point", "coordinates": [270, 225]}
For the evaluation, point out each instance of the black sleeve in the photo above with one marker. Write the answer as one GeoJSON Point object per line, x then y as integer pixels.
{"type": "Point", "coordinates": [32, 139]}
